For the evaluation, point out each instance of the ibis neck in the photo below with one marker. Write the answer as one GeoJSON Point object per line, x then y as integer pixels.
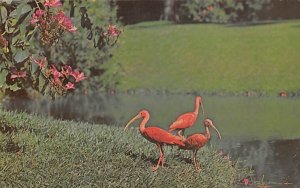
{"type": "Point", "coordinates": [143, 123]}
{"type": "Point", "coordinates": [207, 133]}
{"type": "Point", "coordinates": [197, 104]}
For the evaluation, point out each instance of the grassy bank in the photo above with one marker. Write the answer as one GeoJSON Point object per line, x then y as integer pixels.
{"type": "Point", "coordinates": [38, 152]}
{"type": "Point", "coordinates": [208, 58]}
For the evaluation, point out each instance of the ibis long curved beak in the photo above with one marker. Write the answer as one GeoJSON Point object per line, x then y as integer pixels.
{"type": "Point", "coordinates": [132, 120]}
{"type": "Point", "coordinates": [202, 110]}
{"type": "Point", "coordinates": [216, 131]}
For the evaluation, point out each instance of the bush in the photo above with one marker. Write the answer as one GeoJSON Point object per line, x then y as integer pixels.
{"type": "Point", "coordinates": [41, 49]}
{"type": "Point", "coordinates": [220, 11]}
{"type": "Point", "coordinates": [203, 11]}
{"type": "Point", "coordinates": [86, 50]}
{"type": "Point", "coordinates": [245, 10]}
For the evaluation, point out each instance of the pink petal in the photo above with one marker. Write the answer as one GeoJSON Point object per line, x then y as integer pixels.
{"type": "Point", "coordinates": [40, 63]}
{"type": "Point", "coordinates": [67, 70]}
{"type": "Point", "coordinates": [70, 85]}
{"type": "Point", "coordinates": [52, 3]}
{"type": "Point", "coordinates": [17, 74]}
{"type": "Point", "coordinates": [246, 181]}
{"type": "Point", "coordinates": [79, 76]}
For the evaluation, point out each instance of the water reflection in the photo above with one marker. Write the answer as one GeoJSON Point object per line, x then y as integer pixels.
{"type": "Point", "coordinates": [278, 161]}
{"type": "Point", "coordinates": [262, 131]}
{"type": "Point", "coordinates": [92, 109]}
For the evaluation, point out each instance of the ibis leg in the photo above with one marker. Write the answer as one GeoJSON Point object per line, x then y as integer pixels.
{"type": "Point", "coordinates": [197, 166]}
{"type": "Point", "coordinates": [160, 159]}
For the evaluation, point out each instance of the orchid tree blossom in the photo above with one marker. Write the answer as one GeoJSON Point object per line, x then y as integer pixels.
{"type": "Point", "coordinates": [79, 76]}
{"type": "Point", "coordinates": [17, 74]}
{"type": "Point", "coordinates": [67, 70]}
{"type": "Point", "coordinates": [40, 62]}
{"type": "Point", "coordinates": [70, 85]}
{"type": "Point", "coordinates": [52, 3]}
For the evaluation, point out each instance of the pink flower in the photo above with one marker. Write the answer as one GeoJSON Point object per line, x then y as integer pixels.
{"type": "Point", "coordinates": [56, 74]}
{"type": "Point", "coordinates": [64, 21]}
{"type": "Point", "coordinates": [113, 31]}
{"type": "Point", "coordinates": [66, 70]}
{"type": "Point", "coordinates": [68, 25]}
{"type": "Point", "coordinates": [40, 63]}
{"type": "Point", "coordinates": [78, 75]}
{"type": "Point", "coordinates": [17, 74]}
{"type": "Point", "coordinates": [70, 85]}
{"type": "Point", "coordinates": [210, 8]}
{"type": "Point", "coordinates": [226, 157]}
{"type": "Point", "coordinates": [33, 19]}
{"type": "Point", "coordinates": [37, 16]}
{"type": "Point", "coordinates": [221, 152]}
{"type": "Point", "coordinates": [52, 3]}
{"type": "Point", "coordinates": [246, 181]}
{"type": "Point", "coordinates": [56, 81]}
{"type": "Point", "coordinates": [39, 12]}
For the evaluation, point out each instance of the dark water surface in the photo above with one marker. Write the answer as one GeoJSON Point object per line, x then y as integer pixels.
{"type": "Point", "coordinates": [264, 132]}
{"type": "Point", "coordinates": [275, 161]}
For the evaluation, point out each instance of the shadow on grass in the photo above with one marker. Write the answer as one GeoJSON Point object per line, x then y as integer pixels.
{"type": "Point", "coordinates": [10, 145]}
{"type": "Point", "coordinates": [251, 24]}
{"type": "Point", "coordinates": [159, 24]}
{"type": "Point", "coordinates": [142, 156]}
{"type": "Point", "coordinates": [151, 25]}
{"type": "Point", "coordinates": [296, 26]}
{"type": "Point", "coordinates": [7, 129]}
{"type": "Point", "coordinates": [154, 161]}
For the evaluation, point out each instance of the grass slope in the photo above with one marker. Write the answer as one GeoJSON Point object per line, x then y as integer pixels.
{"type": "Point", "coordinates": [39, 152]}
{"type": "Point", "coordinates": [208, 58]}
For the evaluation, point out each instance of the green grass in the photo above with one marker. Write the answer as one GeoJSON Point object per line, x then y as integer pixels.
{"type": "Point", "coordinates": [208, 58]}
{"type": "Point", "coordinates": [39, 152]}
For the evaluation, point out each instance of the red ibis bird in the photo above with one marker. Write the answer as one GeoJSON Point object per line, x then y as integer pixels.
{"type": "Point", "coordinates": [186, 120]}
{"type": "Point", "coordinates": [196, 141]}
{"type": "Point", "coordinates": [155, 135]}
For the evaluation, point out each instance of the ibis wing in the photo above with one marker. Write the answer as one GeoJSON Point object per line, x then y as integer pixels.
{"type": "Point", "coordinates": [158, 135]}
{"type": "Point", "coordinates": [195, 141]}
{"type": "Point", "coordinates": [183, 121]}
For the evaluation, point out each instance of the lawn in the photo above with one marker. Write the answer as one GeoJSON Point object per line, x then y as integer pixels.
{"type": "Point", "coordinates": [207, 58]}
{"type": "Point", "coordinates": [42, 152]}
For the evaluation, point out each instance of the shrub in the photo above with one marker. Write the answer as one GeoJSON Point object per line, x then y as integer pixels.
{"type": "Point", "coordinates": [244, 10]}
{"type": "Point", "coordinates": [39, 45]}
{"type": "Point", "coordinates": [87, 50]}
{"type": "Point", "coordinates": [220, 11]}
{"type": "Point", "coordinates": [203, 11]}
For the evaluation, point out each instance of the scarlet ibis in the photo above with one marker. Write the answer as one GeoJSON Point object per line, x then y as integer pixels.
{"type": "Point", "coordinates": [155, 135]}
{"type": "Point", "coordinates": [186, 120]}
{"type": "Point", "coordinates": [196, 141]}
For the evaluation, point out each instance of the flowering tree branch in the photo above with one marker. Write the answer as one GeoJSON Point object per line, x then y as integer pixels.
{"type": "Point", "coordinates": [23, 66]}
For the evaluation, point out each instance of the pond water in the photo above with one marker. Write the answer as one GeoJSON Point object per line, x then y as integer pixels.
{"type": "Point", "coordinates": [262, 131]}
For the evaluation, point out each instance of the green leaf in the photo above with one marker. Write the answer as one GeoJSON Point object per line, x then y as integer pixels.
{"type": "Point", "coordinates": [26, 8]}
{"type": "Point", "coordinates": [14, 87]}
{"type": "Point", "coordinates": [9, 25]}
{"type": "Point", "coordinates": [13, 13]}
{"type": "Point", "coordinates": [8, 1]}
{"type": "Point", "coordinates": [21, 9]}
{"type": "Point", "coordinates": [2, 78]}
{"type": "Point", "coordinates": [21, 55]}
{"type": "Point", "coordinates": [3, 14]}
{"type": "Point", "coordinates": [239, 6]}
{"type": "Point", "coordinates": [41, 82]}
{"type": "Point", "coordinates": [29, 34]}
